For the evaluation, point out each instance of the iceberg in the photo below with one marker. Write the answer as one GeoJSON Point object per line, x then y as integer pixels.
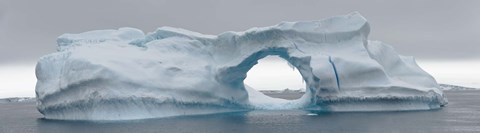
{"type": "Point", "coordinates": [448, 87]}
{"type": "Point", "coordinates": [125, 74]}
{"type": "Point", "coordinates": [17, 100]}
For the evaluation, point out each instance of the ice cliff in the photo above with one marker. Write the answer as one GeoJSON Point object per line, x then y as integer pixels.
{"type": "Point", "coordinates": [125, 74]}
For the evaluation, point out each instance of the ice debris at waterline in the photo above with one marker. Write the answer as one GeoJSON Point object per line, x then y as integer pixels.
{"type": "Point", "coordinates": [125, 74]}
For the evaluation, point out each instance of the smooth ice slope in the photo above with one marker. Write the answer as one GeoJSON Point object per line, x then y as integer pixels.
{"type": "Point", "coordinates": [124, 74]}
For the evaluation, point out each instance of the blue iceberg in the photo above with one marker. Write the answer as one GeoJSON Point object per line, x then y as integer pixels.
{"type": "Point", "coordinates": [126, 74]}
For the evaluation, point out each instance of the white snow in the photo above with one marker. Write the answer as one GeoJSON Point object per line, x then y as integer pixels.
{"type": "Point", "coordinates": [124, 74]}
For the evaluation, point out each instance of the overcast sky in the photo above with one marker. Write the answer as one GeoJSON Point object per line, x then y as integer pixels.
{"type": "Point", "coordinates": [434, 31]}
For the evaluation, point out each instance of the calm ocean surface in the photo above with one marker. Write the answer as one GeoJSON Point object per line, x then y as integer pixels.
{"type": "Point", "coordinates": [462, 114]}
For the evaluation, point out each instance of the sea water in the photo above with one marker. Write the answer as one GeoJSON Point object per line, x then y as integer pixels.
{"type": "Point", "coordinates": [462, 114]}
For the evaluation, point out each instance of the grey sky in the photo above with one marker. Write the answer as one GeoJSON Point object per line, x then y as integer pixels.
{"type": "Point", "coordinates": [442, 35]}
{"type": "Point", "coordinates": [428, 29]}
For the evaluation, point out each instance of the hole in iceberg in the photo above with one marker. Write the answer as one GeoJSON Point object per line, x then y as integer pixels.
{"type": "Point", "coordinates": [276, 78]}
{"type": "Point", "coordinates": [274, 84]}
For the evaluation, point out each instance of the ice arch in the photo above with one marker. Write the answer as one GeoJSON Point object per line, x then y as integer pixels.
{"type": "Point", "coordinates": [274, 73]}
{"type": "Point", "coordinates": [125, 74]}
{"type": "Point", "coordinates": [235, 75]}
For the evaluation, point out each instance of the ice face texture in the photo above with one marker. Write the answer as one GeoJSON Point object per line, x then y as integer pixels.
{"type": "Point", "coordinates": [125, 74]}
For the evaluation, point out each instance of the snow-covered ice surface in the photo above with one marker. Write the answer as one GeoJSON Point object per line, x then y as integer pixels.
{"type": "Point", "coordinates": [17, 99]}
{"type": "Point", "coordinates": [125, 74]}
{"type": "Point", "coordinates": [447, 87]}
